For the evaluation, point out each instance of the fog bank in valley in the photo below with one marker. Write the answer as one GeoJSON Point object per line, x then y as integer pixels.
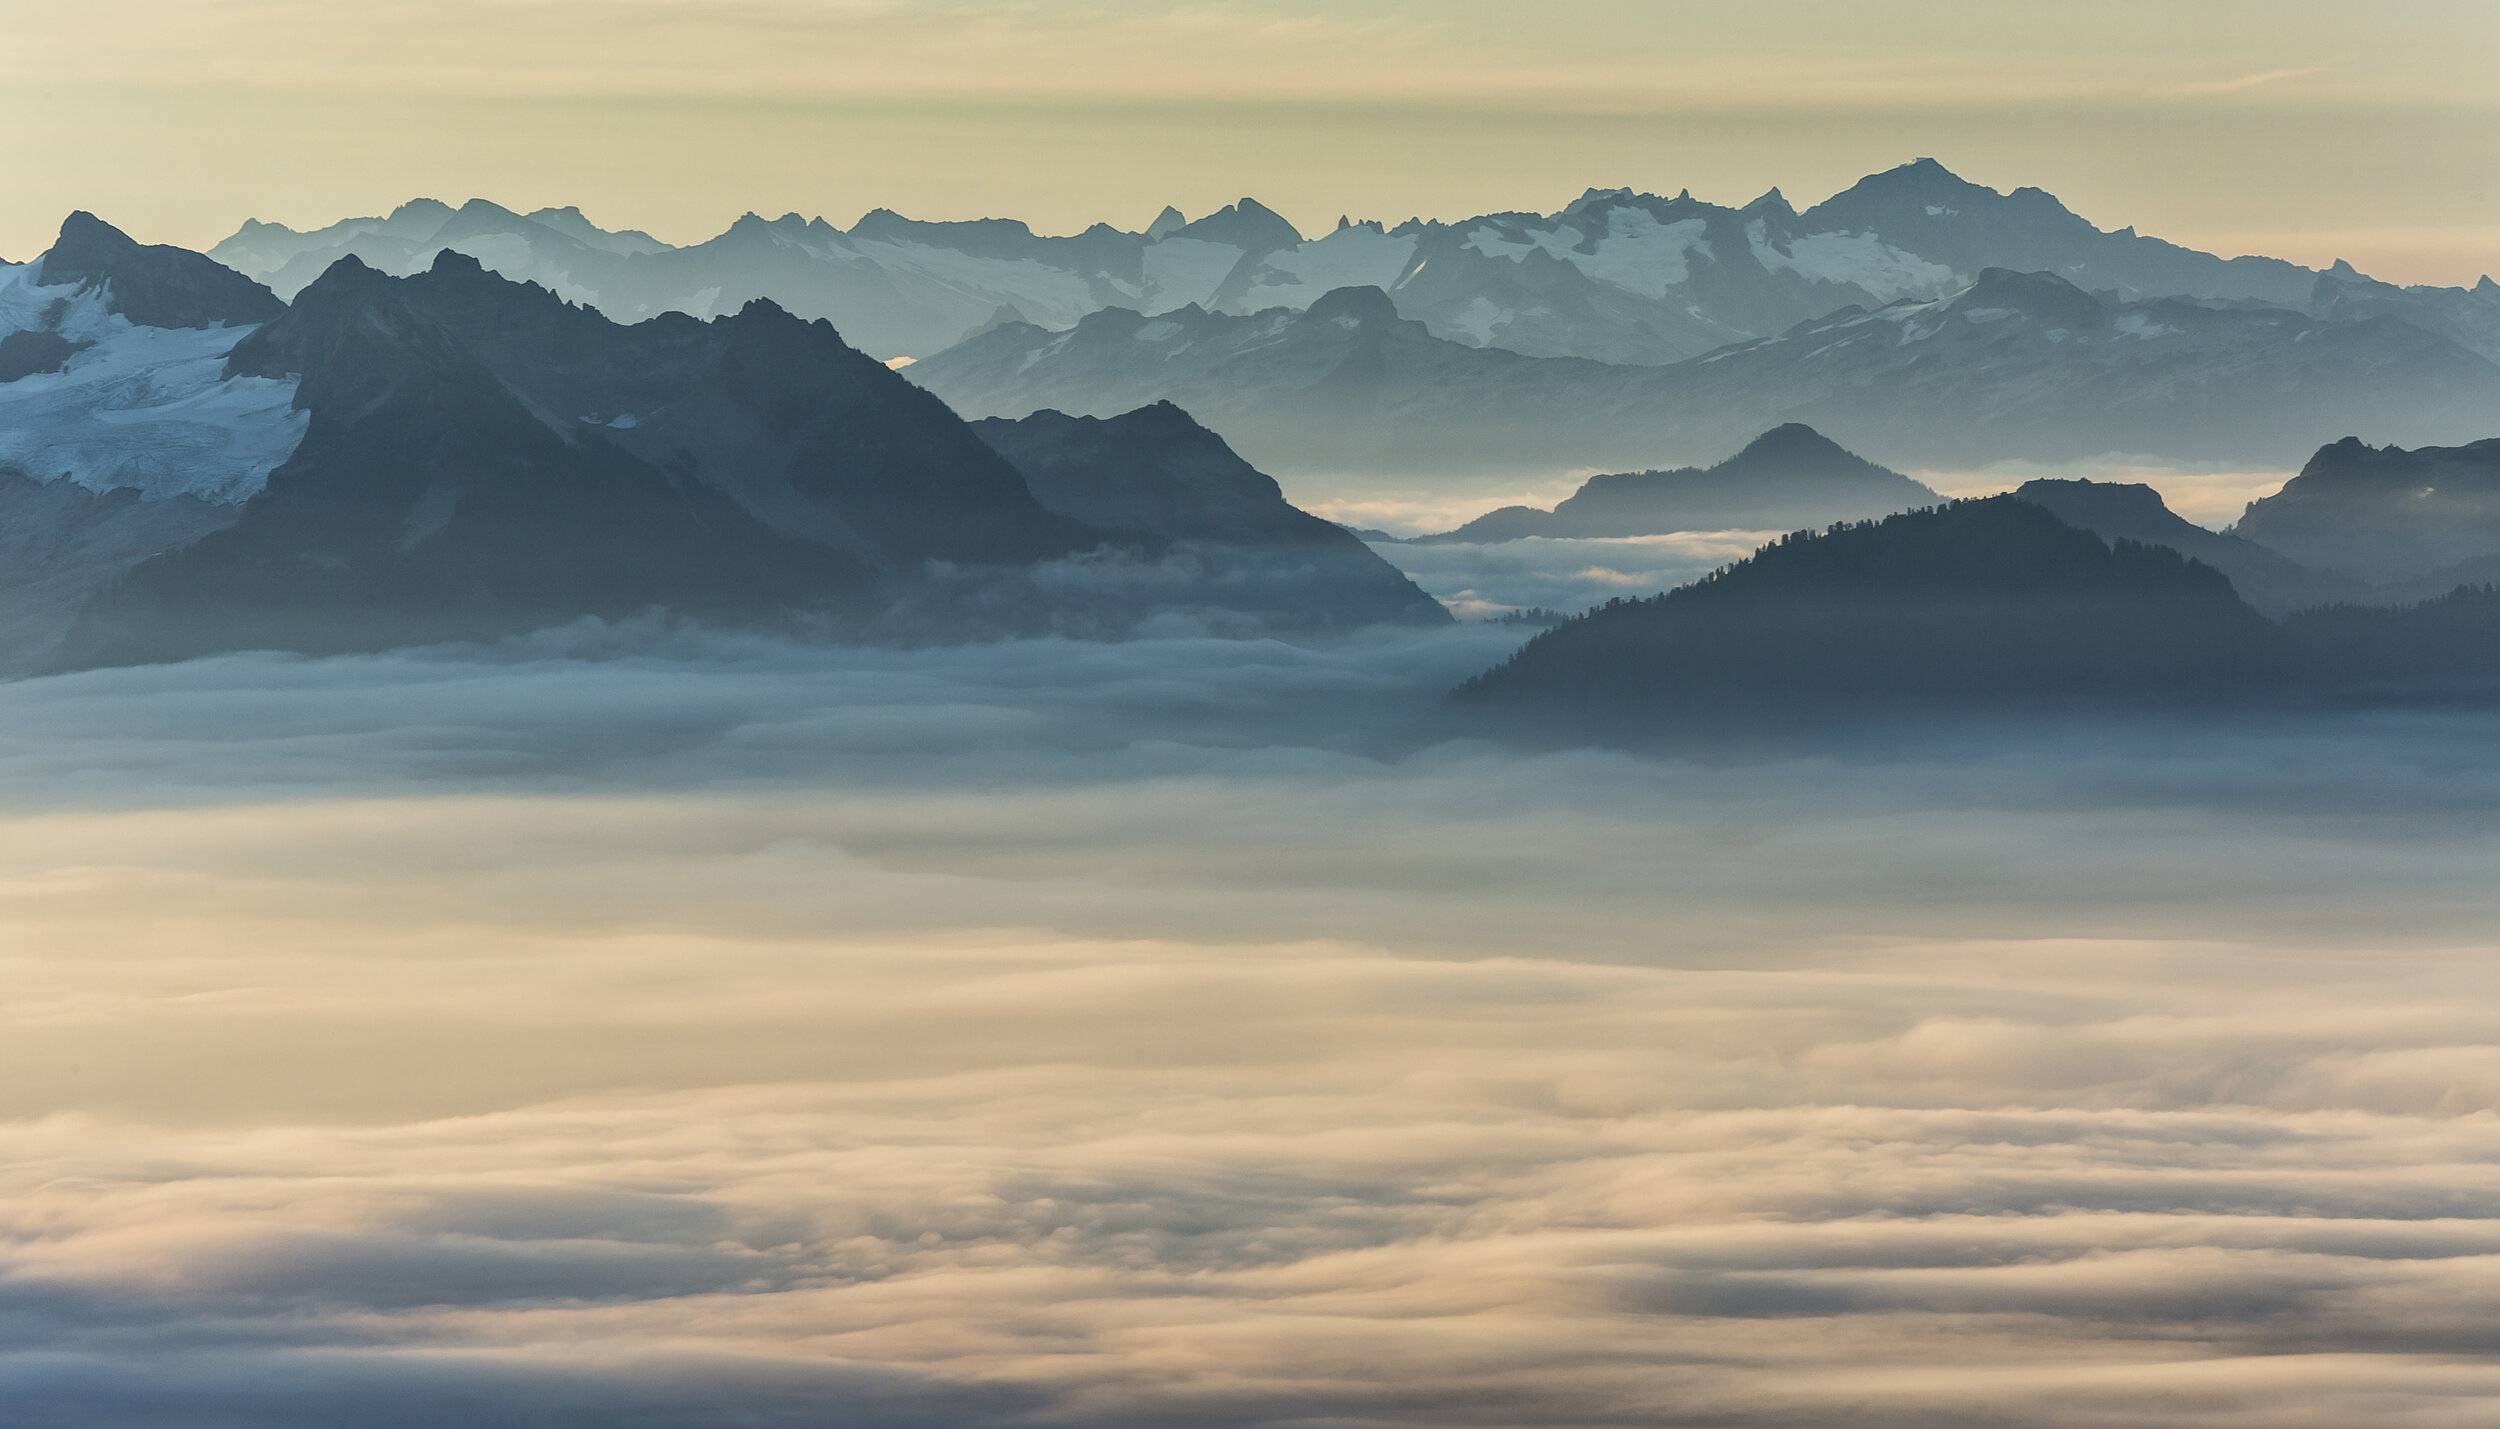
{"type": "Point", "coordinates": [644, 1028]}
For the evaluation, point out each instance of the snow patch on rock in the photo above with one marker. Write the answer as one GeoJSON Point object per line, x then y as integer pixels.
{"type": "Point", "coordinates": [1862, 260]}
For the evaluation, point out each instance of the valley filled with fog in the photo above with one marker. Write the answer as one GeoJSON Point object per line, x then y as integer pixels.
{"type": "Point", "coordinates": [629, 1026]}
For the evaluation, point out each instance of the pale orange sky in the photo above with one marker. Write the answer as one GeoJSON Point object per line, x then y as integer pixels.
{"type": "Point", "coordinates": [2301, 128]}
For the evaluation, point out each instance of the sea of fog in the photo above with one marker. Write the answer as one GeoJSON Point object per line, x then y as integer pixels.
{"type": "Point", "coordinates": [637, 1028]}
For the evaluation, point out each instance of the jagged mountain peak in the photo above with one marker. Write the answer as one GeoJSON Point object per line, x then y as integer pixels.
{"type": "Point", "coordinates": [1248, 225]}
{"type": "Point", "coordinates": [154, 285]}
{"type": "Point", "coordinates": [354, 339]}
{"type": "Point", "coordinates": [1772, 202]}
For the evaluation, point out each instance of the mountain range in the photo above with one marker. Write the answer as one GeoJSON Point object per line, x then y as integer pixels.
{"type": "Point", "coordinates": [189, 464]}
{"type": "Point", "coordinates": [2013, 366]}
{"type": "Point", "coordinates": [1616, 275]}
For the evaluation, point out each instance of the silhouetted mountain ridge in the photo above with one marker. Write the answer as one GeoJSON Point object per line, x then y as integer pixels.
{"type": "Point", "coordinates": [1788, 478]}
{"type": "Point", "coordinates": [1989, 606]}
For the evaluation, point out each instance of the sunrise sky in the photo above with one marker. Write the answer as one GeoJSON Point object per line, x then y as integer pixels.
{"type": "Point", "coordinates": [2278, 127]}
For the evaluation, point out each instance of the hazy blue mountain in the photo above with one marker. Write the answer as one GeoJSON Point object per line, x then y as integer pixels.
{"type": "Point", "coordinates": [1924, 209]}
{"type": "Point", "coordinates": [2385, 514]}
{"type": "Point", "coordinates": [1990, 606]}
{"type": "Point", "coordinates": [1788, 478]}
{"type": "Point", "coordinates": [1616, 275]}
{"type": "Point", "coordinates": [1156, 471]}
{"type": "Point", "coordinates": [2266, 579]}
{"type": "Point", "coordinates": [2468, 317]}
{"type": "Point", "coordinates": [2013, 366]}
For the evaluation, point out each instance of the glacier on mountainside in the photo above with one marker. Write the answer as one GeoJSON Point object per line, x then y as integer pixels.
{"type": "Point", "coordinates": [144, 408]}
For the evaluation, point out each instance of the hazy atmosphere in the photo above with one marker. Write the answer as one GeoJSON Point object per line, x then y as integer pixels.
{"type": "Point", "coordinates": [2306, 129]}
{"type": "Point", "coordinates": [731, 713]}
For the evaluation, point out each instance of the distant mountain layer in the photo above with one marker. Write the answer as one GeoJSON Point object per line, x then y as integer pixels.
{"type": "Point", "coordinates": [1789, 478]}
{"type": "Point", "coordinates": [2013, 366]}
{"type": "Point", "coordinates": [455, 456]}
{"type": "Point", "coordinates": [1990, 606]}
{"type": "Point", "coordinates": [1616, 276]}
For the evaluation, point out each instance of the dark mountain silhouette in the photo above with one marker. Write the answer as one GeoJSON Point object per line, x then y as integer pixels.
{"type": "Point", "coordinates": [1991, 602]}
{"type": "Point", "coordinates": [2271, 582]}
{"type": "Point", "coordinates": [1788, 478]}
{"type": "Point", "coordinates": [2436, 649]}
{"type": "Point", "coordinates": [2385, 514]}
{"type": "Point", "coordinates": [1991, 606]}
{"type": "Point", "coordinates": [154, 286]}
{"type": "Point", "coordinates": [1158, 472]}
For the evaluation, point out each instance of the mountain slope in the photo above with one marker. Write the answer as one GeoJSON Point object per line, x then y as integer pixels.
{"type": "Point", "coordinates": [2115, 511]}
{"type": "Point", "coordinates": [1788, 478]}
{"type": "Point", "coordinates": [1980, 603]}
{"type": "Point", "coordinates": [806, 432]}
{"type": "Point", "coordinates": [1157, 471]}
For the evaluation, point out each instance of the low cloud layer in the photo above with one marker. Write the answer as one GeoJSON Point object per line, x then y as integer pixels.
{"type": "Point", "coordinates": [662, 1031]}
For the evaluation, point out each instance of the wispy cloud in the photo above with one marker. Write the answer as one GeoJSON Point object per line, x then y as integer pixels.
{"type": "Point", "coordinates": [2236, 85]}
